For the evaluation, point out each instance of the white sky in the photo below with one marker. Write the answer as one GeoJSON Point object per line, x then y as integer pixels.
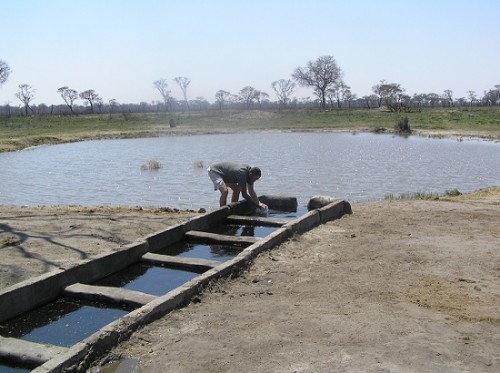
{"type": "Point", "coordinates": [119, 47]}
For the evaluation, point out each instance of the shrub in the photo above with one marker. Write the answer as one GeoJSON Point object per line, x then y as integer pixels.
{"type": "Point", "coordinates": [452, 193]}
{"type": "Point", "coordinates": [403, 127]}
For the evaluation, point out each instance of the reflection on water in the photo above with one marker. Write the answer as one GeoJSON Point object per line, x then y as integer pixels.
{"type": "Point", "coordinates": [63, 322]}
{"type": "Point", "coordinates": [149, 279]}
{"type": "Point", "coordinates": [217, 252]}
{"type": "Point", "coordinates": [237, 230]}
{"type": "Point", "coordinates": [342, 165]}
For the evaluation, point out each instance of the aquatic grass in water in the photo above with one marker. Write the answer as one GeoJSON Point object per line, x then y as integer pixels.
{"type": "Point", "coordinates": [151, 165]}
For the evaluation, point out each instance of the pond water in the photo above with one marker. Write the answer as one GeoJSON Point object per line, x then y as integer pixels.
{"type": "Point", "coordinates": [354, 167]}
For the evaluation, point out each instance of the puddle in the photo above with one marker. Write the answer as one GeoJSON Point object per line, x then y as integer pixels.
{"type": "Point", "coordinates": [119, 365]}
{"type": "Point", "coordinates": [147, 278]}
{"type": "Point", "coordinates": [63, 322]}
{"type": "Point", "coordinates": [217, 252]}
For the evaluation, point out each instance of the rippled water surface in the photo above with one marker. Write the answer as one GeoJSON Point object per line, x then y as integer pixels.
{"type": "Point", "coordinates": [357, 168]}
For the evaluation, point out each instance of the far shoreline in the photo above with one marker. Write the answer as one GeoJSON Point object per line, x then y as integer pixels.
{"type": "Point", "coordinates": [435, 134]}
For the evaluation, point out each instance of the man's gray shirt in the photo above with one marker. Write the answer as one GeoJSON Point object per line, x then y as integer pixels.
{"type": "Point", "coordinates": [233, 173]}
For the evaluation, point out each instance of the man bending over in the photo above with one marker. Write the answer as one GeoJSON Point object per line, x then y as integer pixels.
{"type": "Point", "coordinates": [237, 176]}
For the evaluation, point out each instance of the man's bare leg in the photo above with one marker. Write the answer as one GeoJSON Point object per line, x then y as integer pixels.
{"type": "Point", "coordinates": [236, 192]}
{"type": "Point", "coordinates": [223, 196]}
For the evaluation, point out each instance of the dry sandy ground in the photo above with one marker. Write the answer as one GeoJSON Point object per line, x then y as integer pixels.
{"type": "Point", "coordinates": [398, 286]}
{"type": "Point", "coordinates": [40, 239]}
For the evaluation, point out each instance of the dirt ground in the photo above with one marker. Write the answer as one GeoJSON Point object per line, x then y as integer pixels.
{"type": "Point", "coordinates": [398, 286]}
{"type": "Point", "coordinates": [36, 240]}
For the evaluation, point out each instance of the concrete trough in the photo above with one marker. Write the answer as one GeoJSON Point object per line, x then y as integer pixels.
{"type": "Point", "coordinates": [81, 355]}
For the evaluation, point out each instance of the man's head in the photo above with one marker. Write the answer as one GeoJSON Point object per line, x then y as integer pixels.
{"type": "Point", "coordinates": [255, 173]}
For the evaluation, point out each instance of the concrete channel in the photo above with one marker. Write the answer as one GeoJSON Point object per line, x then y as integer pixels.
{"type": "Point", "coordinates": [79, 281]}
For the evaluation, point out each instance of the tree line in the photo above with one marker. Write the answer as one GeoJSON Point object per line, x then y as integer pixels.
{"type": "Point", "coordinates": [323, 75]}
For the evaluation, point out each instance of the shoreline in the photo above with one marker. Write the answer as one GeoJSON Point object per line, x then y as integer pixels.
{"type": "Point", "coordinates": [436, 134]}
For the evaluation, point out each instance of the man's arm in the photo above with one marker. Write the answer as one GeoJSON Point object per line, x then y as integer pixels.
{"type": "Point", "coordinates": [250, 195]}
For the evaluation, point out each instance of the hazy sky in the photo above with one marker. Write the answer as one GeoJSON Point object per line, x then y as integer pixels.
{"type": "Point", "coordinates": [119, 47]}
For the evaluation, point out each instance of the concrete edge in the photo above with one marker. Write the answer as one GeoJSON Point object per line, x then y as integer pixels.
{"type": "Point", "coordinates": [334, 210]}
{"type": "Point", "coordinates": [37, 291]}
{"type": "Point", "coordinates": [28, 353]}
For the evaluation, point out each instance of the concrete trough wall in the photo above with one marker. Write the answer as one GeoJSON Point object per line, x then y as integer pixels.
{"type": "Point", "coordinates": [35, 292]}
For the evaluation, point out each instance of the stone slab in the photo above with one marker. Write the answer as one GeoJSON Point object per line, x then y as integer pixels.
{"type": "Point", "coordinates": [190, 264]}
{"type": "Point", "coordinates": [26, 352]}
{"type": "Point", "coordinates": [109, 294]}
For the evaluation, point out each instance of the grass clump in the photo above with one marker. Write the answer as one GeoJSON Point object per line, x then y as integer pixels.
{"type": "Point", "coordinates": [423, 195]}
{"type": "Point", "coordinates": [151, 165]}
{"type": "Point", "coordinates": [412, 196]}
{"type": "Point", "coordinates": [452, 193]}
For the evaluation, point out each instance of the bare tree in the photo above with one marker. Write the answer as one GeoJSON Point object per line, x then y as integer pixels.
{"type": "Point", "coordinates": [247, 95]}
{"type": "Point", "coordinates": [4, 72]}
{"type": "Point", "coordinates": [69, 96]}
{"type": "Point", "coordinates": [183, 83]}
{"type": "Point", "coordinates": [492, 97]}
{"type": "Point", "coordinates": [283, 89]}
{"type": "Point", "coordinates": [349, 96]}
{"type": "Point", "coordinates": [100, 104]}
{"type": "Point", "coordinates": [162, 86]}
{"type": "Point", "coordinates": [91, 97]}
{"type": "Point", "coordinates": [112, 105]}
{"type": "Point", "coordinates": [339, 92]}
{"type": "Point", "coordinates": [376, 89]}
{"type": "Point", "coordinates": [472, 96]}
{"type": "Point", "coordinates": [26, 95]}
{"type": "Point", "coordinates": [261, 97]}
{"type": "Point", "coordinates": [369, 99]}
{"type": "Point", "coordinates": [320, 74]}
{"type": "Point", "coordinates": [448, 96]}
{"type": "Point", "coordinates": [221, 97]}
